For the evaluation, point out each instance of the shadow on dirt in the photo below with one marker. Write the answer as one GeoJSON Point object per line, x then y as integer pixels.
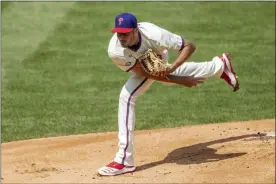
{"type": "Point", "coordinates": [197, 153]}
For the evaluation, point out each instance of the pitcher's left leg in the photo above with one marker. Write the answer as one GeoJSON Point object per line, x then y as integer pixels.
{"type": "Point", "coordinates": [124, 158]}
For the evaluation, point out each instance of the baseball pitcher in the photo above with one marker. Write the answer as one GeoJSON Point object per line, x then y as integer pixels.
{"type": "Point", "coordinates": [142, 48]}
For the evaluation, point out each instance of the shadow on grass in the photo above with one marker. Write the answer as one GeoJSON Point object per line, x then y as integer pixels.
{"type": "Point", "coordinates": [197, 153]}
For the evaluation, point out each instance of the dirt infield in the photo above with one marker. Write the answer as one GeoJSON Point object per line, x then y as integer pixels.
{"type": "Point", "coordinates": [215, 153]}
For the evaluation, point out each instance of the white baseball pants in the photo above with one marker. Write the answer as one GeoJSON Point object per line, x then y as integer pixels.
{"type": "Point", "coordinates": [135, 86]}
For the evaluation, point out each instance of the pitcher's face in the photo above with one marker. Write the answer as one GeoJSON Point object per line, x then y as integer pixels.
{"type": "Point", "coordinates": [127, 39]}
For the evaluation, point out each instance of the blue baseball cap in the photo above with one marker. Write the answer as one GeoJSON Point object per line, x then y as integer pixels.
{"type": "Point", "coordinates": [124, 23]}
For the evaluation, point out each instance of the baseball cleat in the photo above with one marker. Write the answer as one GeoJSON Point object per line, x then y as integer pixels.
{"type": "Point", "coordinates": [229, 74]}
{"type": "Point", "coordinates": [115, 168]}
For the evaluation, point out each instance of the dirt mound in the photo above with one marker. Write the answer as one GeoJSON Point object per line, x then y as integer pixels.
{"type": "Point", "coordinates": [235, 152]}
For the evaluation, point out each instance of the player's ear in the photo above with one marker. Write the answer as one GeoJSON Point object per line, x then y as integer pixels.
{"type": "Point", "coordinates": [135, 30]}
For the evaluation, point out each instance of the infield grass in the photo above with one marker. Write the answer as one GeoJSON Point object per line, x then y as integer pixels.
{"type": "Point", "coordinates": [58, 80]}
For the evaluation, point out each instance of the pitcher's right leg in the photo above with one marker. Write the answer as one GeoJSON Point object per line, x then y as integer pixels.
{"type": "Point", "coordinates": [229, 75]}
{"type": "Point", "coordinates": [219, 66]}
{"type": "Point", "coordinates": [204, 69]}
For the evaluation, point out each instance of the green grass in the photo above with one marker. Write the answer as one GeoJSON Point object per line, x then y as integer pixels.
{"type": "Point", "coordinates": [58, 80]}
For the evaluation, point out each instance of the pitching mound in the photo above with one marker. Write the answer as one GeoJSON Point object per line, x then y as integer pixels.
{"type": "Point", "coordinates": [214, 153]}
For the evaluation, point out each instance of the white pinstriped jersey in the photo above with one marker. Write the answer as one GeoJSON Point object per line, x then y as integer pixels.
{"type": "Point", "coordinates": [152, 37]}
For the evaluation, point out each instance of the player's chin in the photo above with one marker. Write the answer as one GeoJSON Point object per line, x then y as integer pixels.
{"type": "Point", "coordinates": [124, 44]}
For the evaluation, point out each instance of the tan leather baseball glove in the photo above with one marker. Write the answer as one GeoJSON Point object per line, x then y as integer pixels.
{"type": "Point", "coordinates": [152, 64]}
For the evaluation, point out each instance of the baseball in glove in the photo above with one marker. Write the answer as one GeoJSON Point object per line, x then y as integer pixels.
{"type": "Point", "coordinates": [152, 64]}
